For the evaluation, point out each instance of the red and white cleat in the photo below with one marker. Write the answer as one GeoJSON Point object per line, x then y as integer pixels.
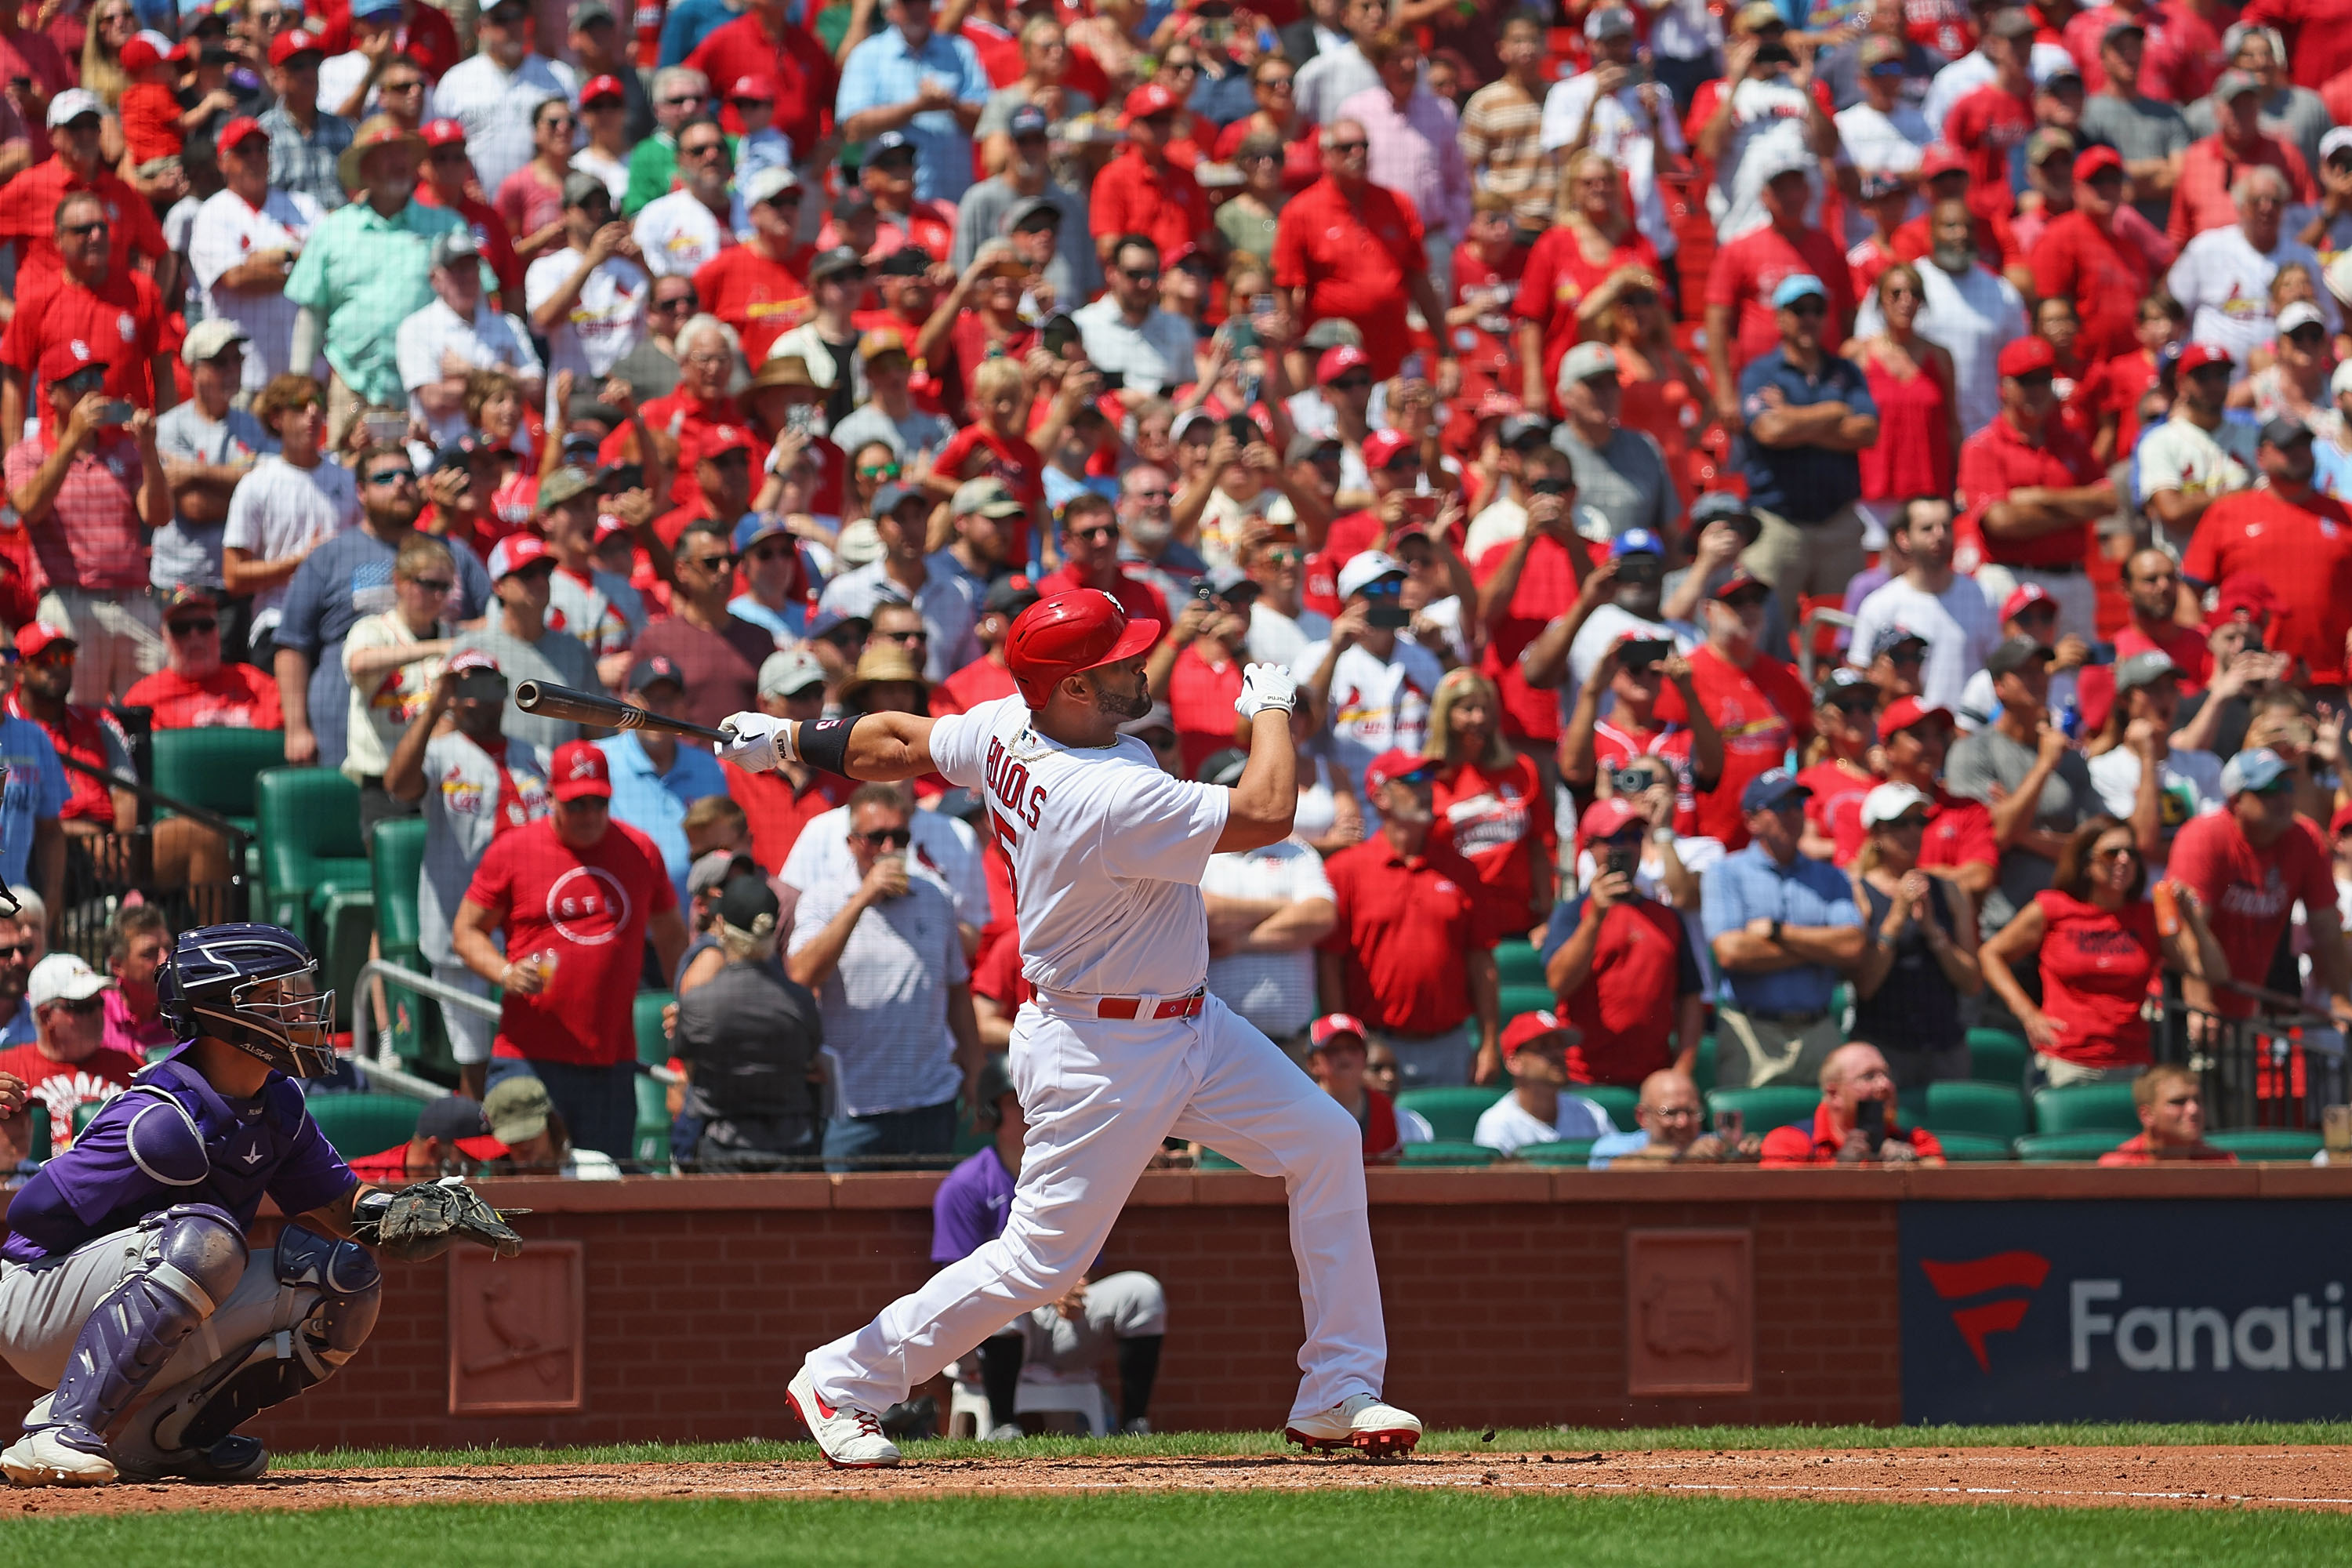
{"type": "Point", "coordinates": [1361, 1422]}
{"type": "Point", "coordinates": [852, 1438]}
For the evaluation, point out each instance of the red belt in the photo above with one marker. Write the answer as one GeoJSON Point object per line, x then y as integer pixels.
{"type": "Point", "coordinates": [1128, 1006]}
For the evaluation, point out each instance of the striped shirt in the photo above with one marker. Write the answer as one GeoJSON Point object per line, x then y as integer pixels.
{"type": "Point", "coordinates": [92, 537]}
{"type": "Point", "coordinates": [1503, 145]}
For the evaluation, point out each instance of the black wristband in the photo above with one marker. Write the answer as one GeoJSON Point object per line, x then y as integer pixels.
{"type": "Point", "coordinates": [824, 743]}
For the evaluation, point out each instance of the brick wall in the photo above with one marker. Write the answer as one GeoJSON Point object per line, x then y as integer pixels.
{"type": "Point", "coordinates": [1505, 1295]}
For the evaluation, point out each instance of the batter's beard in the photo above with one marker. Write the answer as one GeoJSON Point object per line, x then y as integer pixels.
{"type": "Point", "coordinates": [1135, 707]}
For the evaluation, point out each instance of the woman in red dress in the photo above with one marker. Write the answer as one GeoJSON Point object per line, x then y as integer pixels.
{"type": "Point", "coordinates": [1576, 271]}
{"type": "Point", "coordinates": [1918, 452]}
{"type": "Point", "coordinates": [1493, 803]}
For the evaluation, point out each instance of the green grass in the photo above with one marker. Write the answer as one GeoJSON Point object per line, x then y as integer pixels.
{"type": "Point", "coordinates": [1383, 1529]}
{"type": "Point", "coordinates": [1514, 1439]}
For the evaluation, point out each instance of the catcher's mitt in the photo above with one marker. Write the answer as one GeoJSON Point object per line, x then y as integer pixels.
{"type": "Point", "coordinates": [421, 1221]}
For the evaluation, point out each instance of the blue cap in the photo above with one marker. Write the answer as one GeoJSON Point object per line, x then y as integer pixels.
{"type": "Point", "coordinates": [888, 142]}
{"type": "Point", "coordinates": [1027, 120]}
{"type": "Point", "coordinates": [1635, 541]}
{"type": "Point", "coordinates": [1889, 638]}
{"type": "Point", "coordinates": [2258, 771]}
{"type": "Point", "coordinates": [1795, 286]}
{"type": "Point", "coordinates": [756, 526]}
{"type": "Point", "coordinates": [1768, 790]}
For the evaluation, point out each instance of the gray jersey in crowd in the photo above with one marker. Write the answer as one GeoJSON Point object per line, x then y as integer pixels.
{"type": "Point", "coordinates": [461, 808]}
{"type": "Point", "coordinates": [185, 552]}
{"type": "Point", "coordinates": [556, 657]}
{"type": "Point", "coordinates": [750, 1037]}
{"type": "Point", "coordinates": [1625, 481]}
{"type": "Point", "coordinates": [1073, 272]}
{"type": "Point", "coordinates": [1987, 758]}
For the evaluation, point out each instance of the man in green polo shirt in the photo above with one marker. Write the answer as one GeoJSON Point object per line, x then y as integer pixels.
{"type": "Point", "coordinates": [365, 272]}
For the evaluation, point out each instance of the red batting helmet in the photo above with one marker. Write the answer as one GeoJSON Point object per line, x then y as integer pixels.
{"type": "Point", "coordinates": [1083, 628]}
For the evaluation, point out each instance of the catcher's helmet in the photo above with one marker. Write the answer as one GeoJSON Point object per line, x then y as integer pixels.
{"type": "Point", "coordinates": [1082, 628]}
{"type": "Point", "coordinates": [213, 984]}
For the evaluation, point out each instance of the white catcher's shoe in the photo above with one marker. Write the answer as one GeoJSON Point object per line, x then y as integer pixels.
{"type": "Point", "coordinates": [43, 1459]}
{"type": "Point", "coordinates": [1360, 1421]}
{"type": "Point", "coordinates": [852, 1438]}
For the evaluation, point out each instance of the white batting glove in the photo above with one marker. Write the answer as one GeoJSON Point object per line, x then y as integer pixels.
{"type": "Point", "coordinates": [1265, 686]}
{"type": "Point", "coordinates": [756, 743]}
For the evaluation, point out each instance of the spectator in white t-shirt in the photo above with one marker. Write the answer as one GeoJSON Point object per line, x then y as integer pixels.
{"type": "Point", "coordinates": [588, 300]}
{"type": "Point", "coordinates": [1950, 612]}
{"type": "Point", "coordinates": [2143, 782]}
{"type": "Point", "coordinates": [2196, 456]}
{"type": "Point", "coordinates": [460, 333]}
{"type": "Point", "coordinates": [2223, 276]}
{"type": "Point", "coordinates": [289, 504]}
{"type": "Point", "coordinates": [1884, 132]}
{"type": "Point", "coordinates": [1267, 909]}
{"type": "Point", "coordinates": [1538, 1110]}
{"type": "Point", "coordinates": [1368, 687]}
{"type": "Point", "coordinates": [243, 247]}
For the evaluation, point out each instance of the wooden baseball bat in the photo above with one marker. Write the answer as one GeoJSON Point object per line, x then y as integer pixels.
{"type": "Point", "coordinates": [546, 701]}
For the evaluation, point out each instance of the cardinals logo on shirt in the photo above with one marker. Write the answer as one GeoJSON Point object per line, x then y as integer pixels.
{"type": "Point", "coordinates": [129, 328]}
{"type": "Point", "coordinates": [588, 905]}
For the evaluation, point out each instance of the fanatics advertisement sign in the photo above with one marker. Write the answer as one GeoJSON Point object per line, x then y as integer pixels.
{"type": "Point", "coordinates": [2125, 1311]}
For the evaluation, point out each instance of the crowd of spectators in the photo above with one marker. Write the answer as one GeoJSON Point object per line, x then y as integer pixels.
{"type": "Point", "coordinates": [1527, 382]}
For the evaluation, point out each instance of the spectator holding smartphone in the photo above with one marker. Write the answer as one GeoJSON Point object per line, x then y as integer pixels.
{"type": "Point", "coordinates": [1622, 963]}
{"type": "Point", "coordinates": [1856, 1124]}
{"type": "Point", "coordinates": [1669, 1129]}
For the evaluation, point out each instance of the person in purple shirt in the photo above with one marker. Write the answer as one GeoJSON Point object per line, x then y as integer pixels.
{"type": "Point", "coordinates": [1064, 1340]}
{"type": "Point", "coordinates": [118, 1250]}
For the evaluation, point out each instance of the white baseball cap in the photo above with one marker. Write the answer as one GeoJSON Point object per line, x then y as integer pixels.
{"type": "Point", "coordinates": [63, 977]}
{"type": "Point", "coordinates": [1888, 801]}
{"type": "Point", "coordinates": [71, 105]}
{"type": "Point", "coordinates": [2302, 313]}
{"type": "Point", "coordinates": [1365, 568]}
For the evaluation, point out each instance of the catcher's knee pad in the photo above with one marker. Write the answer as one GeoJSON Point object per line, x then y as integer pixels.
{"type": "Point", "coordinates": [350, 1287]}
{"type": "Point", "coordinates": [198, 1254]}
{"type": "Point", "coordinates": [344, 1289]}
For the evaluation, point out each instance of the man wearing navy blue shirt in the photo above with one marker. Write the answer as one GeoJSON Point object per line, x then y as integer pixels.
{"type": "Point", "coordinates": [1808, 414]}
{"type": "Point", "coordinates": [1782, 928]}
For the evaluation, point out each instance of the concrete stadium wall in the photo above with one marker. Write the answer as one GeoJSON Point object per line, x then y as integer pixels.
{"type": "Point", "coordinates": [679, 1309]}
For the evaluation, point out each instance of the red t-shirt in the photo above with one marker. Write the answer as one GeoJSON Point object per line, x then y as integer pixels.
{"type": "Point", "coordinates": [1984, 127]}
{"type": "Point", "coordinates": [2135, 1150]}
{"type": "Point", "coordinates": [1748, 270]}
{"type": "Point", "coordinates": [2095, 968]}
{"type": "Point", "coordinates": [389, 1167]}
{"type": "Point", "coordinates": [1761, 710]}
{"type": "Point", "coordinates": [977, 452]}
{"type": "Point", "coordinates": [2185, 646]}
{"type": "Point", "coordinates": [119, 321]}
{"type": "Point", "coordinates": [1642, 965]}
{"type": "Point", "coordinates": [1997, 460]}
{"type": "Point", "coordinates": [590, 908]}
{"type": "Point", "coordinates": [2115, 385]}
{"type": "Point", "coordinates": [1499, 821]}
{"type": "Point", "coordinates": [233, 697]}
{"type": "Point", "coordinates": [1959, 833]}
{"type": "Point", "coordinates": [60, 1085]}
{"type": "Point", "coordinates": [151, 121]}
{"type": "Point", "coordinates": [1835, 807]}
{"type": "Point", "coordinates": [1613, 745]}
{"type": "Point", "coordinates": [1354, 259]}
{"type": "Point", "coordinates": [2249, 893]}
{"type": "Point", "coordinates": [83, 737]}
{"type": "Point", "coordinates": [998, 976]}
{"type": "Point", "coordinates": [981, 681]}
{"type": "Point", "coordinates": [1164, 205]}
{"type": "Point", "coordinates": [761, 299]}
{"type": "Point", "coordinates": [1555, 281]}
{"type": "Point", "coordinates": [778, 811]}
{"type": "Point", "coordinates": [1547, 588]}
{"type": "Point", "coordinates": [1797, 1144]}
{"type": "Point", "coordinates": [1201, 698]}
{"type": "Point", "coordinates": [2303, 551]}
{"type": "Point", "coordinates": [796, 65]}
{"type": "Point", "coordinates": [2106, 279]}
{"type": "Point", "coordinates": [693, 422]}
{"type": "Point", "coordinates": [28, 215]}
{"type": "Point", "coordinates": [1405, 932]}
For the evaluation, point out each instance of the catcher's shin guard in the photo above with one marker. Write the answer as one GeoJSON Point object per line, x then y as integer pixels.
{"type": "Point", "coordinates": [195, 1260]}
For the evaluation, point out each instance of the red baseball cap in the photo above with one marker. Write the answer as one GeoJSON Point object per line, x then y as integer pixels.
{"type": "Point", "coordinates": [1530, 1027]}
{"type": "Point", "coordinates": [2197, 356]}
{"type": "Point", "coordinates": [516, 551]}
{"type": "Point", "coordinates": [2092, 162]}
{"type": "Point", "coordinates": [243, 128]}
{"type": "Point", "coordinates": [1904, 712]}
{"type": "Point", "coordinates": [1149, 99]}
{"type": "Point", "coordinates": [1382, 448]}
{"type": "Point", "coordinates": [1941, 159]}
{"type": "Point", "coordinates": [139, 54]}
{"type": "Point", "coordinates": [580, 768]}
{"type": "Point", "coordinates": [2244, 594]}
{"type": "Point", "coordinates": [38, 636]}
{"type": "Point", "coordinates": [2028, 595]}
{"type": "Point", "coordinates": [295, 41]}
{"type": "Point", "coordinates": [1392, 765]}
{"type": "Point", "coordinates": [66, 357]}
{"type": "Point", "coordinates": [1738, 582]}
{"type": "Point", "coordinates": [1606, 819]}
{"type": "Point", "coordinates": [758, 89]}
{"type": "Point", "coordinates": [1320, 1032]}
{"type": "Point", "coordinates": [1338, 361]}
{"type": "Point", "coordinates": [443, 134]}
{"type": "Point", "coordinates": [600, 87]}
{"type": "Point", "coordinates": [2027, 357]}
{"type": "Point", "coordinates": [725, 438]}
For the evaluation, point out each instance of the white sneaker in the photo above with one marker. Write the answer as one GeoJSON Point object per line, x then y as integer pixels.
{"type": "Point", "coordinates": [43, 1459]}
{"type": "Point", "coordinates": [1010, 1431]}
{"type": "Point", "coordinates": [1360, 1421]}
{"type": "Point", "coordinates": [852, 1438]}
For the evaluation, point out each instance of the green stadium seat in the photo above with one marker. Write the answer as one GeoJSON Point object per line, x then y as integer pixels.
{"type": "Point", "coordinates": [37, 1137]}
{"type": "Point", "coordinates": [1702, 1064]}
{"type": "Point", "coordinates": [1615, 1099]}
{"type": "Point", "coordinates": [396, 858]}
{"type": "Point", "coordinates": [2048, 1148]}
{"type": "Point", "coordinates": [650, 1149]}
{"type": "Point", "coordinates": [653, 1045]}
{"type": "Point", "coordinates": [315, 877]}
{"type": "Point", "coordinates": [1516, 962]}
{"type": "Point", "coordinates": [1994, 1110]}
{"type": "Point", "coordinates": [2267, 1143]}
{"type": "Point", "coordinates": [1911, 1106]}
{"type": "Point", "coordinates": [83, 1113]}
{"type": "Point", "coordinates": [1969, 1148]}
{"type": "Point", "coordinates": [1519, 999]}
{"type": "Point", "coordinates": [1567, 1152]}
{"type": "Point", "coordinates": [1452, 1113]}
{"type": "Point", "coordinates": [1764, 1108]}
{"type": "Point", "coordinates": [1211, 1161]}
{"type": "Point", "coordinates": [2085, 1108]}
{"type": "Point", "coordinates": [362, 1124]}
{"type": "Point", "coordinates": [1448, 1151]}
{"type": "Point", "coordinates": [1996, 1055]}
{"type": "Point", "coordinates": [216, 768]}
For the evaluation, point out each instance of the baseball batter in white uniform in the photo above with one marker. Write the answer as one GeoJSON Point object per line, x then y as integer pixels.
{"type": "Point", "coordinates": [1123, 1047]}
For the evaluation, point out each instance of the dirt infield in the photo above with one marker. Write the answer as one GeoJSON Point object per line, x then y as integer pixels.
{"type": "Point", "coordinates": [2301, 1477]}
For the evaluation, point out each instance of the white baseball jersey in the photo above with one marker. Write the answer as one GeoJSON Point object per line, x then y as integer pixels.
{"type": "Point", "coordinates": [1107, 852]}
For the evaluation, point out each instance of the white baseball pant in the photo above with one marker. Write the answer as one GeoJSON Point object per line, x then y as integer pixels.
{"type": "Point", "coordinates": [1100, 1096]}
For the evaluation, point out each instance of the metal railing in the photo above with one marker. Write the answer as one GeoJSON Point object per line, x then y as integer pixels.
{"type": "Point", "coordinates": [1823, 616]}
{"type": "Point", "coordinates": [103, 869]}
{"type": "Point", "coordinates": [2281, 1067]}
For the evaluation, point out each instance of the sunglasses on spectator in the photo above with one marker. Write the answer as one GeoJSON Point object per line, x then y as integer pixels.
{"type": "Point", "coordinates": [2114, 852]}
{"type": "Point", "coordinates": [1141, 274]}
{"type": "Point", "coordinates": [392, 476]}
{"type": "Point", "coordinates": [1099, 530]}
{"type": "Point", "coordinates": [21, 949]}
{"type": "Point", "coordinates": [702, 150]}
{"type": "Point", "coordinates": [1352, 382]}
{"type": "Point", "coordinates": [906, 637]}
{"type": "Point", "coordinates": [95, 226]}
{"type": "Point", "coordinates": [192, 629]}
{"type": "Point", "coordinates": [433, 584]}
{"type": "Point", "coordinates": [681, 100]}
{"type": "Point", "coordinates": [887, 837]}
{"type": "Point", "coordinates": [84, 1006]}
{"type": "Point", "coordinates": [1344, 148]}
{"type": "Point", "coordinates": [400, 86]}
{"type": "Point", "coordinates": [683, 302]}
{"type": "Point", "coordinates": [1856, 707]}
{"type": "Point", "coordinates": [877, 470]}
{"type": "Point", "coordinates": [711, 563]}
{"type": "Point", "coordinates": [1808, 306]}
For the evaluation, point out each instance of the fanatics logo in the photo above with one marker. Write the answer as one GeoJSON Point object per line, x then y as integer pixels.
{"type": "Point", "coordinates": [2005, 1271]}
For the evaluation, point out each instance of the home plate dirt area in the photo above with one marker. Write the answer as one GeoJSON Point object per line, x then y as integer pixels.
{"type": "Point", "coordinates": [2298, 1478]}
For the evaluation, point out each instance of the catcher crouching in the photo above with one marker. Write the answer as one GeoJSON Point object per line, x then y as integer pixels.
{"type": "Point", "coordinates": [127, 1271]}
